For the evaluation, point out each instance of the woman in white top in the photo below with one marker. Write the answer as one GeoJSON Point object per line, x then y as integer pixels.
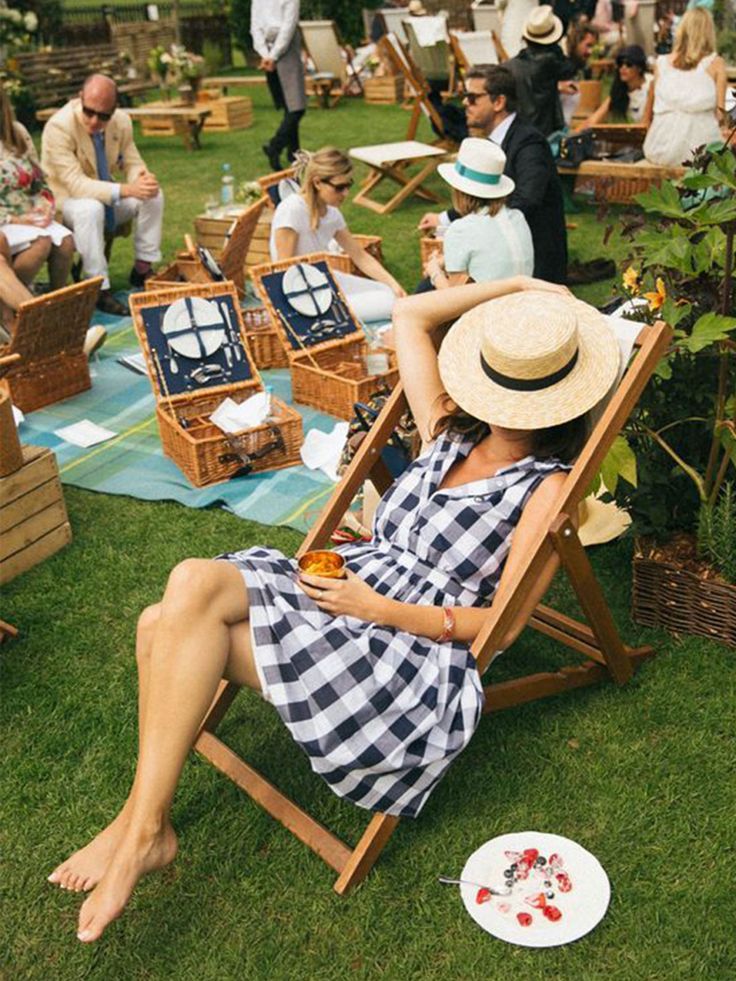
{"type": "Point", "coordinates": [311, 222]}
{"type": "Point", "coordinates": [687, 96]}
{"type": "Point", "coordinates": [629, 91]}
{"type": "Point", "coordinates": [489, 241]}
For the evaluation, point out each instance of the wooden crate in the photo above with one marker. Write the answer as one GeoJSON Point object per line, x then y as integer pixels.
{"type": "Point", "coordinates": [229, 112]}
{"type": "Point", "coordinates": [387, 90]}
{"type": "Point", "coordinates": [33, 519]}
{"type": "Point", "coordinates": [199, 448]}
{"type": "Point", "coordinates": [164, 125]}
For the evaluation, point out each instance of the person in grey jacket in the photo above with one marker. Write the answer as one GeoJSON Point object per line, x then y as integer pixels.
{"type": "Point", "coordinates": [274, 27]}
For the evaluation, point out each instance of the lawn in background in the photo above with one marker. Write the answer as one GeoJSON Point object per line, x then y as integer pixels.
{"type": "Point", "coordinates": [642, 776]}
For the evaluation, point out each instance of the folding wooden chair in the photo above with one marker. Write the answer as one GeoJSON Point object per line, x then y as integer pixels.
{"type": "Point", "coordinates": [334, 75]}
{"type": "Point", "coordinates": [45, 360]}
{"type": "Point", "coordinates": [399, 58]}
{"type": "Point", "coordinates": [606, 657]}
{"type": "Point", "coordinates": [471, 49]}
{"type": "Point", "coordinates": [433, 61]}
{"type": "Point", "coordinates": [188, 266]}
{"type": "Point", "coordinates": [486, 16]}
{"type": "Point", "coordinates": [393, 21]}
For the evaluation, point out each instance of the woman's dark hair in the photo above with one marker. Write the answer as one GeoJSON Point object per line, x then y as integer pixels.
{"type": "Point", "coordinates": [563, 442]}
{"type": "Point", "coordinates": [633, 55]}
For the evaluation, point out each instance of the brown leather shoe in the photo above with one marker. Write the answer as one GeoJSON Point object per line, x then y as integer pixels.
{"type": "Point", "coordinates": [107, 303]}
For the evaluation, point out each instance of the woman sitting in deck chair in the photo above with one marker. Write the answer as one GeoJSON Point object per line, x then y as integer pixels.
{"type": "Point", "coordinates": [372, 674]}
{"type": "Point", "coordinates": [310, 221]}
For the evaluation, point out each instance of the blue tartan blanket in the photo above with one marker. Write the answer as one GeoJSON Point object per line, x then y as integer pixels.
{"type": "Point", "coordinates": [133, 462]}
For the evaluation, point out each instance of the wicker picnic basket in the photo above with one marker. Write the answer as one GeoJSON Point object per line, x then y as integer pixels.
{"type": "Point", "coordinates": [203, 452]}
{"type": "Point", "coordinates": [330, 375]}
{"type": "Point", "coordinates": [48, 338]}
{"type": "Point", "coordinates": [185, 268]}
{"type": "Point", "coordinates": [264, 341]}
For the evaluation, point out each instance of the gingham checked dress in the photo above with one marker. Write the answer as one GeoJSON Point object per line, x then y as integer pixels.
{"type": "Point", "coordinates": [381, 713]}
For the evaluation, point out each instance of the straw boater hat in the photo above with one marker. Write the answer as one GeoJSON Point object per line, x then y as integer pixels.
{"type": "Point", "coordinates": [478, 170]}
{"type": "Point", "coordinates": [529, 360]}
{"type": "Point", "coordinates": [543, 26]}
{"type": "Point", "coordinates": [416, 8]}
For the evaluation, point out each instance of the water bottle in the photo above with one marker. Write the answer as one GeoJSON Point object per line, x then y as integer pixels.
{"type": "Point", "coordinates": [227, 186]}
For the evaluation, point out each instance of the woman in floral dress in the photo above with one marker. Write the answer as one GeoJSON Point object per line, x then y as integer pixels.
{"type": "Point", "coordinates": [27, 206]}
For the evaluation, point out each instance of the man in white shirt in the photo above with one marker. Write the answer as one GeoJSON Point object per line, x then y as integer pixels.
{"type": "Point", "coordinates": [274, 27]}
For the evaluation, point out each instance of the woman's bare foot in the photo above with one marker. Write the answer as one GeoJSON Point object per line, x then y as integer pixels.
{"type": "Point", "coordinates": [85, 867]}
{"type": "Point", "coordinates": [133, 859]}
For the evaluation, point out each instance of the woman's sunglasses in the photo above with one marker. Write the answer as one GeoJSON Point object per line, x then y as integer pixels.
{"type": "Point", "coordinates": [344, 186]}
{"type": "Point", "coordinates": [104, 117]}
{"type": "Point", "coordinates": [627, 64]}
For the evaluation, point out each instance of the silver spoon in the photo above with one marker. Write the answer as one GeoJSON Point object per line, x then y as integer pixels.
{"type": "Point", "coordinates": [447, 881]}
{"type": "Point", "coordinates": [173, 363]}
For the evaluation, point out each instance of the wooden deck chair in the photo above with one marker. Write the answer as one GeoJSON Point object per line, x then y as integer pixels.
{"type": "Point", "coordinates": [393, 21]}
{"type": "Point", "coordinates": [402, 63]}
{"type": "Point", "coordinates": [605, 656]}
{"type": "Point", "coordinates": [334, 75]}
{"type": "Point", "coordinates": [471, 49]}
{"type": "Point", "coordinates": [432, 60]}
{"type": "Point", "coordinates": [191, 266]}
{"type": "Point", "coordinates": [44, 362]}
{"type": "Point", "coordinates": [486, 16]}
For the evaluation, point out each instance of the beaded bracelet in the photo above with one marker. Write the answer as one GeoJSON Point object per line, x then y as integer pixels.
{"type": "Point", "coordinates": [448, 625]}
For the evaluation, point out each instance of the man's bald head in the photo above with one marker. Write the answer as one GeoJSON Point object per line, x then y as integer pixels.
{"type": "Point", "coordinates": [99, 96]}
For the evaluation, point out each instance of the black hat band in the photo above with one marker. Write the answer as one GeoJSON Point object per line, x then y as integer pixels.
{"type": "Point", "coordinates": [528, 384]}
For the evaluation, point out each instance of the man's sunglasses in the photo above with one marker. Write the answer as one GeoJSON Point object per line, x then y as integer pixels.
{"type": "Point", "coordinates": [472, 97]}
{"type": "Point", "coordinates": [345, 186]}
{"type": "Point", "coordinates": [104, 117]}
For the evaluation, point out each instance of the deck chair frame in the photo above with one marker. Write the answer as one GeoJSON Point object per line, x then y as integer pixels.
{"type": "Point", "coordinates": [597, 640]}
{"type": "Point", "coordinates": [398, 56]}
{"type": "Point", "coordinates": [461, 63]}
{"type": "Point", "coordinates": [329, 90]}
{"type": "Point", "coordinates": [44, 362]}
{"type": "Point", "coordinates": [433, 62]}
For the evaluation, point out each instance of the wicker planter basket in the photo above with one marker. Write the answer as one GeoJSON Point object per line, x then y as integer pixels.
{"type": "Point", "coordinates": [665, 595]}
{"type": "Point", "coordinates": [202, 451]}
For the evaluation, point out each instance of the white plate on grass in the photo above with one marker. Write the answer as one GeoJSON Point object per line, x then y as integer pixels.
{"type": "Point", "coordinates": [559, 893]}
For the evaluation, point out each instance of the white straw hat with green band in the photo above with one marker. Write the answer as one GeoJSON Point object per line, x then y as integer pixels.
{"type": "Point", "coordinates": [478, 170]}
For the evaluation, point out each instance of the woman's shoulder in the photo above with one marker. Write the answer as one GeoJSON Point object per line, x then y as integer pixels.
{"type": "Point", "coordinates": [291, 212]}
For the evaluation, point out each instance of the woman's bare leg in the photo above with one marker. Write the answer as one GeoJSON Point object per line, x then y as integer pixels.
{"type": "Point", "coordinates": [60, 263]}
{"type": "Point", "coordinates": [28, 262]}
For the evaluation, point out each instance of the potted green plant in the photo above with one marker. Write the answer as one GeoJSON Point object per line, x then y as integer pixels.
{"type": "Point", "coordinates": [678, 451]}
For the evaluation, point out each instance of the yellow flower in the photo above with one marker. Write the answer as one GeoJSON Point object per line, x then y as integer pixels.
{"type": "Point", "coordinates": [657, 298]}
{"type": "Point", "coordinates": [632, 281]}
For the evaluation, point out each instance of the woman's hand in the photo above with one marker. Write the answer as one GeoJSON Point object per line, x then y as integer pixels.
{"type": "Point", "coordinates": [349, 597]}
{"type": "Point", "coordinates": [398, 289]}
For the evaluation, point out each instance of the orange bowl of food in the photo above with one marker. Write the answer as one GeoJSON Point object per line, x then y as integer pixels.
{"type": "Point", "coordinates": [322, 562]}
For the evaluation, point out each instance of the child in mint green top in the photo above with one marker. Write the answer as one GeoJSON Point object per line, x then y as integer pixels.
{"type": "Point", "coordinates": [488, 241]}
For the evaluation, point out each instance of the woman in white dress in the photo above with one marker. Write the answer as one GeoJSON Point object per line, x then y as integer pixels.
{"type": "Point", "coordinates": [687, 96]}
{"type": "Point", "coordinates": [629, 91]}
{"type": "Point", "coordinates": [489, 241]}
{"type": "Point", "coordinates": [311, 221]}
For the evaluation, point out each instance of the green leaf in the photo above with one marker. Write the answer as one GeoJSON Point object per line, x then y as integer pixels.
{"type": "Point", "coordinates": [664, 369]}
{"type": "Point", "coordinates": [708, 329]}
{"type": "Point", "coordinates": [620, 462]}
{"type": "Point", "coordinates": [728, 442]}
{"type": "Point", "coordinates": [663, 199]}
{"type": "Point", "coordinates": [673, 312]}
{"type": "Point", "coordinates": [696, 182]}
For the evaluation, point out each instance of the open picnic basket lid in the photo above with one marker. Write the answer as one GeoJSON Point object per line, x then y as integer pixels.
{"type": "Point", "coordinates": [306, 304]}
{"type": "Point", "coordinates": [194, 342]}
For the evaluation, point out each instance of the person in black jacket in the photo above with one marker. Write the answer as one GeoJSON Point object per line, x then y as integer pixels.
{"type": "Point", "coordinates": [490, 106]}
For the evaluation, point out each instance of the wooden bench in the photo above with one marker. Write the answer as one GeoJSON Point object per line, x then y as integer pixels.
{"type": "Point", "coordinates": [56, 76]}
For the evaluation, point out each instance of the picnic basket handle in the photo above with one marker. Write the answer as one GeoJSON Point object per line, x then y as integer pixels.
{"type": "Point", "coordinates": [238, 451]}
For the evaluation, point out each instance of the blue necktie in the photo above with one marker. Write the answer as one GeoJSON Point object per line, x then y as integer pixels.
{"type": "Point", "coordinates": [103, 172]}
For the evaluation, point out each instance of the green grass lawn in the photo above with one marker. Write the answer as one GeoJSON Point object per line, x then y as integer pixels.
{"type": "Point", "coordinates": [642, 776]}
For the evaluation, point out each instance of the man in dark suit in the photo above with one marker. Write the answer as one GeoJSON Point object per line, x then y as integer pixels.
{"type": "Point", "coordinates": [490, 106]}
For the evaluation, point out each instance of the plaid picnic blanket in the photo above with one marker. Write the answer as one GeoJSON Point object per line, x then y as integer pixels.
{"type": "Point", "coordinates": [133, 462]}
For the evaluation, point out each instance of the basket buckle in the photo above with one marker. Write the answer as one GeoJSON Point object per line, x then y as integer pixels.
{"type": "Point", "coordinates": [236, 444]}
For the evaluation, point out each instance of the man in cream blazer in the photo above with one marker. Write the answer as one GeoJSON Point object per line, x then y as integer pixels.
{"type": "Point", "coordinates": [83, 146]}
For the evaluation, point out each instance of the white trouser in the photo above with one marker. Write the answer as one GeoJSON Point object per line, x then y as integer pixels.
{"type": "Point", "coordinates": [86, 218]}
{"type": "Point", "coordinates": [370, 301]}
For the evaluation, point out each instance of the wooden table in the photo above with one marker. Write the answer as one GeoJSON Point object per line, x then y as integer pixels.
{"type": "Point", "coordinates": [225, 82]}
{"type": "Point", "coordinates": [162, 119]}
{"type": "Point", "coordinates": [390, 161]}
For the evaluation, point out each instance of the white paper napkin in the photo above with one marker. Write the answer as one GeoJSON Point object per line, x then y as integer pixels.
{"type": "Point", "coordinates": [322, 451]}
{"type": "Point", "coordinates": [18, 415]}
{"type": "Point", "coordinates": [234, 417]}
{"type": "Point", "coordinates": [84, 433]}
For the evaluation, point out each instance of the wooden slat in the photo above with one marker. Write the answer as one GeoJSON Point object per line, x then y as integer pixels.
{"type": "Point", "coordinates": [39, 466]}
{"type": "Point", "coordinates": [329, 848]}
{"type": "Point", "coordinates": [32, 528]}
{"type": "Point", "coordinates": [35, 553]}
{"type": "Point", "coordinates": [29, 504]}
{"type": "Point", "coordinates": [364, 855]}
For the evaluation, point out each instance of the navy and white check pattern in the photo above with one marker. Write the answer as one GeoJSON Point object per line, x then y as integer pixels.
{"type": "Point", "coordinates": [382, 713]}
